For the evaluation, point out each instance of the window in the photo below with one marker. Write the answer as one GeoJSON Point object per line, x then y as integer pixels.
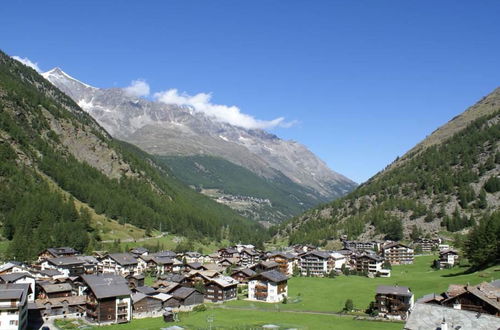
{"type": "Point", "coordinates": [13, 322]}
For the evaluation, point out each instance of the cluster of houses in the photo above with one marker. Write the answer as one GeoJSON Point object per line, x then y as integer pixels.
{"type": "Point", "coordinates": [110, 287]}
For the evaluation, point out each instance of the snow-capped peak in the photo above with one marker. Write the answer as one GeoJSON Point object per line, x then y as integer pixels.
{"type": "Point", "coordinates": [56, 74]}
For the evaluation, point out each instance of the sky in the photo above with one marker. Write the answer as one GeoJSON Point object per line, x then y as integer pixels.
{"type": "Point", "coordinates": [358, 82]}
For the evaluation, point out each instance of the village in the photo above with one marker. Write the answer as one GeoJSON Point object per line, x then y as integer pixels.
{"type": "Point", "coordinates": [111, 288]}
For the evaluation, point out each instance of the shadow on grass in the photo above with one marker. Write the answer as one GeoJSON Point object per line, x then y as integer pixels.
{"type": "Point", "coordinates": [469, 270]}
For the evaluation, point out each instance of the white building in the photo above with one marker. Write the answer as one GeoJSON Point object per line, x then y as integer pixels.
{"type": "Point", "coordinates": [314, 263]}
{"type": "Point", "coordinates": [270, 286]}
{"type": "Point", "coordinates": [14, 306]}
{"type": "Point", "coordinates": [336, 261]}
{"type": "Point", "coordinates": [120, 264]}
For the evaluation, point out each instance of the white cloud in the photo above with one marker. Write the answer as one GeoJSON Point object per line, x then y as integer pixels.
{"type": "Point", "coordinates": [228, 114]}
{"type": "Point", "coordinates": [28, 62]}
{"type": "Point", "coordinates": [137, 88]}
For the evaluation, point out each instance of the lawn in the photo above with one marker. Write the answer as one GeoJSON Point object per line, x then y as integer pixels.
{"type": "Point", "coordinates": [329, 295]}
{"type": "Point", "coordinates": [241, 319]}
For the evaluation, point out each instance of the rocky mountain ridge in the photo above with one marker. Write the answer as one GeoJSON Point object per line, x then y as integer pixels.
{"type": "Point", "coordinates": [169, 129]}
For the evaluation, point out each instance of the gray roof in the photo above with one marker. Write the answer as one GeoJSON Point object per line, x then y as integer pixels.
{"type": "Point", "coordinates": [247, 271]}
{"type": "Point", "coordinates": [172, 277]}
{"type": "Point", "coordinates": [66, 261]}
{"type": "Point", "coordinates": [194, 265]}
{"type": "Point", "coordinates": [139, 250]}
{"type": "Point", "coordinates": [316, 253]}
{"type": "Point", "coordinates": [123, 259]}
{"type": "Point", "coordinates": [12, 277]}
{"type": "Point", "coordinates": [55, 287]}
{"type": "Point", "coordinates": [107, 285]}
{"type": "Point", "coordinates": [162, 260]}
{"type": "Point", "coordinates": [60, 251]}
{"type": "Point", "coordinates": [14, 292]}
{"type": "Point", "coordinates": [147, 290]}
{"type": "Point", "coordinates": [272, 275]}
{"type": "Point", "coordinates": [286, 255]}
{"type": "Point", "coordinates": [169, 254]}
{"type": "Point", "coordinates": [496, 283]}
{"type": "Point", "coordinates": [183, 292]}
{"type": "Point", "coordinates": [429, 317]}
{"type": "Point", "coordinates": [49, 272]}
{"type": "Point", "coordinates": [395, 290]}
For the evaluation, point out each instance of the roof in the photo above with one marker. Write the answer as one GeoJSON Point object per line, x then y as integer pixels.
{"type": "Point", "coordinates": [430, 297]}
{"type": "Point", "coordinates": [394, 244]}
{"type": "Point", "coordinates": [12, 277]}
{"type": "Point", "coordinates": [147, 290]}
{"type": "Point", "coordinates": [229, 250]}
{"type": "Point", "coordinates": [165, 286]}
{"type": "Point", "coordinates": [163, 296]}
{"type": "Point", "coordinates": [286, 255]}
{"type": "Point", "coordinates": [496, 283]}
{"type": "Point", "coordinates": [250, 252]}
{"type": "Point", "coordinates": [58, 302]}
{"type": "Point", "coordinates": [62, 251]}
{"type": "Point", "coordinates": [336, 255]}
{"type": "Point", "coordinates": [65, 261]}
{"type": "Point", "coordinates": [49, 272]}
{"type": "Point", "coordinates": [194, 265]}
{"type": "Point", "coordinates": [162, 260]}
{"type": "Point", "coordinates": [268, 264]}
{"type": "Point", "coordinates": [123, 258]}
{"type": "Point", "coordinates": [395, 290]}
{"type": "Point", "coordinates": [9, 265]}
{"type": "Point", "coordinates": [224, 281]}
{"type": "Point", "coordinates": [107, 285]}
{"type": "Point", "coordinates": [370, 256]}
{"type": "Point", "coordinates": [316, 253]}
{"type": "Point", "coordinates": [139, 250]}
{"type": "Point", "coordinates": [183, 292]}
{"type": "Point", "coordinates": [247, 271]}
{"type": "Point", "coordinates": [429, 316]}
{"type": "Point", "coordinates": [55, 287]}
{"type": "Point", "coordinates": [272, 276]}
{"type": "Point", "coordinates": [14, 292]}
{"type": "Point", "coordinates": [172, 277]}
{"type": "Point", "coordinates": [169, 254]}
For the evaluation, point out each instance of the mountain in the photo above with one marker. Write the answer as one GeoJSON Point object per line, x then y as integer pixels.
{"type": "Point", "coordinates": [447, 182]}
{"type": "Point", "coordinates": [55, 156]}
{"type": "Point", "coordinates": [173, 130]}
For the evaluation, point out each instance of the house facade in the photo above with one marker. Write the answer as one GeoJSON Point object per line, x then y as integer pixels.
{"type": "Point", "coordinates": [369, 263]}
{"type": "Point", "coordinates": [220, 289]}
{"type": "Point", "coordinates": [398, 254]}
{"type": "Point", "coordinates": [14, 306]}
{"type": "Point", "coordinates": [314, 263]}
{"type": "Point", "coordinates": [270, 286]}
{"type": "Point", "coordinates": [119, 263]}
{"type": "Point", "coordinates": [394, 302]}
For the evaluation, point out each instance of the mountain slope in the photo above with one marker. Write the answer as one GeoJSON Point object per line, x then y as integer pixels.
{"type": "Point", "coordinates": [267, 200]}
{"type": "Point", "coordinates": [444, 183]}
{"type": "Point", "coordinates": [43, 133]}
{"type": "Point", "coordinates": [172, 130]}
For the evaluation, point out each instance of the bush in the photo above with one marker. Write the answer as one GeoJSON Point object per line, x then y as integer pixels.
{"type": "Point", "coordinates": [200, 308]}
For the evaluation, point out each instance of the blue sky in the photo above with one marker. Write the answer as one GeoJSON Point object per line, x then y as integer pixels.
{"type": "Point", "coordinates": [365, 80]}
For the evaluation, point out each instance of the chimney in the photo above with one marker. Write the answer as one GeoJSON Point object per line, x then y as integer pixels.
{"type": "Point", "coordinates": [444, 325]}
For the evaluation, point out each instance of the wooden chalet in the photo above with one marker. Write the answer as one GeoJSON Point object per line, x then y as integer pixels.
{"type": "Point", "coordinates": [188, 296]}
{"type": "Point", "coordinates": [57, 253]}
{"type": "Point", "coordinates": [221, 288]}
{"type": "Point", "coordinates": [394, 302]}
{"type": "Point", "coordinates": [284, 260]}
{"type": "Point", "coordinates": [49, 290]}
{"type": "Point", "coordinates": [243, 275]}
{"type": "Point", "coordinates": [108, 299]}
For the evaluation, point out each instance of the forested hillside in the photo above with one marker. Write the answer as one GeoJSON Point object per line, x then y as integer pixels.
{"type": "Point", "coordinates": [273, 200]}
{"type": "Point", "coordinates": [445, 185]}
{"type": "Point", "coordinates": [46, 139]}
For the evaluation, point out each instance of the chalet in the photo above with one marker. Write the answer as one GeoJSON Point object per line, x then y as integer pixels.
{"type": "Point", "coordinates": [336, 261]}
{"type": "Point", "coordinates": [134, 281]}
{"type": "Point", "coordinates": [69, 266]}
{"type": "Point", "coordinates": [215, 267]}
{"type": "Point", "coordinates": [173, 277]}
{"type": "Point", "coordinates": [242, 275]}
{"type": "Point", "coordinates": [229, 262]}
{"type": "Point", "coordinates": [447, 259]}
{"type": "Point", "coordinates": [168, 301]}
{"type": "Point", "coordinates": [139, 251]}
{"type": "Point", "coordinates": [188, 296]}
{"type": "Point", "coordinates": [146, 305]}
{"type": "Point", "coordinates": [314, 263]}
{"type": "Point", "coordinates": [361, 245]}
{"type": "Point", "coordinates": [160, 265]}
{"type": "Point", "coordinates": [72, 306]}
{"type": "Point", "coordinates": [394, 302]}
{"type": "Point", "coordinates": [201, 276]}
{"type": "Point", "coordinates": [427, 244]}
{"type": "Point", "coordinates": [12, 267]}
{"type": "Point", "coordinates": [268, 286]}
{"type": "Point", "coordinates": [398, 254]}
{"type": "Point", "coordinates": [166, 286]}
{"type": "Point", "coordinates": [284, 260]}
{"type": "Point", "coordinates": [221, 288]}
{"type": "Point", "coordinates": [264, 266]}
{"type": "Point", "coordinates": [193, 257]}
{"type": "Point", "coordinates": [48, 275]}
{"type": "Point", "coordinates": [119, 264]}
{"type": "Point", "coordinates": [303, 248]}
{"type": "Point", "coordinates": [194, 266]}
{"type": "Point", "coordinates": [48, 290]}
{"type": "Point", "coordinates": [368, 263]}
{"type": "Point", "coordinates": [14, 306]}
{"type": "Point", "coordinates": [429, 316]}
{"type": "Point", "coordinates": [228, 253]}
{"type": "Point", "coordinates": [108, 299]}
{"type": "Point", "coordinates": [57, 253]}
{"type": "Point", "coordinates": [249, 257]}
{"type": "Point", "coordinates": [483, 298]}
{"type": "Point", "coordinates": [147, 290]}
{"type": "Point", "coordinates": [21, 278]}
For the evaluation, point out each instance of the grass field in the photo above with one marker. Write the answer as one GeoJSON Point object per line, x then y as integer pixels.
{"type": "Point", "coordinates": [241, 319]}
{"type": "Point", "coordinates": [329, 295]}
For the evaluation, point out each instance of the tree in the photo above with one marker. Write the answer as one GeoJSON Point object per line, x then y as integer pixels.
{"type": "Point", "coordinates": [482, 246]}
{"type": "Point", "coordinates": [349, 305]}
